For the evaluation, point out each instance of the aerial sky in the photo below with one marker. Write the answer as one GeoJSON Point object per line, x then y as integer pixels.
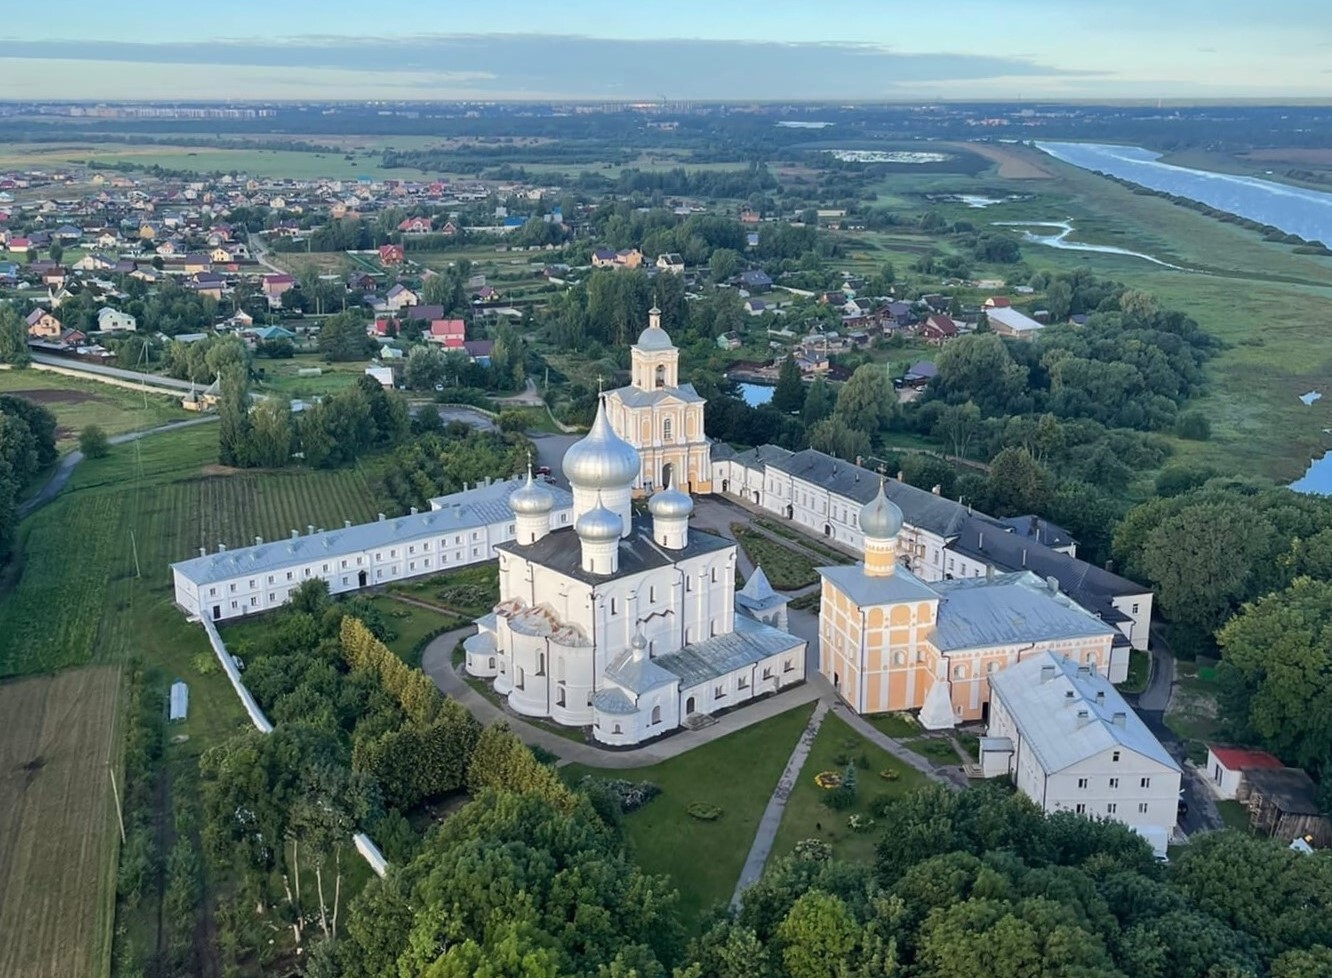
{"type": "Point", "coordinates": [676, 50]}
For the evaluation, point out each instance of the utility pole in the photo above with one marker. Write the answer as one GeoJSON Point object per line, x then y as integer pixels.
{"type": "Point", "coordinates": [120, 817]}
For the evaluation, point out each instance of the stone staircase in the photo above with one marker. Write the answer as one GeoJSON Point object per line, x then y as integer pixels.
{"type": "Point", "coordinates": [698, 721]}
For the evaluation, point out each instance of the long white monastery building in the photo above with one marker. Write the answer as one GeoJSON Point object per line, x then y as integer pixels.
{"type": "Point", "coordinates": [459, 529]}
{"type": "Point", "coordinates": [624, 623]}
{"type": "Point", "coordinates": [1071, 743]}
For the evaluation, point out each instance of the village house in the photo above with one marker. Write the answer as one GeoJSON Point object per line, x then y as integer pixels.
{"type": "Point", "coordinates": [389, 254]}
{"type": "Point", "coordinates": [43, 325]}
{"type": "Point", "coordinates": [275, 286]}
{"type": "Point", "coordinates": [400, 297]}
{"type": "Point", "coordinates": [448, 333]}
{"type": "Point", "coordinates": [114, 321]}
{"type": "Point", "coordinates": [415, 225]}
{"type": "Point", "coordinates": [938, 329]}
{"type": "Point", "coordinates": [1007, 321]}
{"type": "Point", "coordinates": [671, 262]}
{"type": "Point", "coordinates": [1226, 767]}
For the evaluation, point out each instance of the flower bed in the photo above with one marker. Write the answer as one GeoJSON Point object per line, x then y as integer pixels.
{"type": "Point", "coordinates": [703, 812]}
{"type": "Point", "coordinates": [828, 780]}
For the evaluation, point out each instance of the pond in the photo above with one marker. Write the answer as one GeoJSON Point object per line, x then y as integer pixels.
{"type": "Point", "coordinates": [1317, 478]}
{"type": "Point", "coordinates": [755, 394]}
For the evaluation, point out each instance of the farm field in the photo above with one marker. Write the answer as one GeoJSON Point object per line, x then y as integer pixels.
{"type": "Point", "coordinates": [79, 403]}
{"type": "Point", "coordinates": [736, 774]}
{"type": "Point", "coordinates": [169, 496]}
{"type": "Point", "coordinates": [58, 840]}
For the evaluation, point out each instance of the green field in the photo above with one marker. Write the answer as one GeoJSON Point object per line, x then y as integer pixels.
{"type": "Point", "coordinates": [79, 403]}
{"type": "Point", "coordinates": [786, 567]}
{"type": "Point", "coordinates": [58, 840]}
{"type": "Point", "coordinates": [807, 817]}
{"type": "Point", "coordinates": [736, 774]}
{"type": "Point", "coordinates": [160, 500]}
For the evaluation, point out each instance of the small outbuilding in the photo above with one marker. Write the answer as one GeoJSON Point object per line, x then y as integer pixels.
{"type": "Point", "coordinates": [179, 701]}
{"type": "Point", "coordinates": [1283, 803]}
{"type": "Point", "coordinates": [1226, 766]}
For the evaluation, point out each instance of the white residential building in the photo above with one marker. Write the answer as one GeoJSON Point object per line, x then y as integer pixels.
{"type": "Point", "coordinates": [1071, 743]}
{"type": "Point", "coordinates": [941, 539]}
{"type": "Point", "coordinates": [460, 529]}
{"type": "Point", "coordinates": [114, 321]}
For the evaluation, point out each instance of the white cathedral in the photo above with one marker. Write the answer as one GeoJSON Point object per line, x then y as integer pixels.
{"type": "Point", "coordinates": [626, 624]}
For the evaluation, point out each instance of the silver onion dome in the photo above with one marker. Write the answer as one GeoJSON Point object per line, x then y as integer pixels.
{"type": "Point", "coordinates": [601, 460]}
{"type": "Point", "coordinates": [654, 338]}
{"type": "Point", "coordinates": [671, 504]}
{"type": "Point", "coordinates": [599, 525]}
{"type": "Point", "coordinates": [532, 498]}
{"type": "Point", "coordinates": [880, 519]}
{"type": "Point", "coordinates": [638, 643]}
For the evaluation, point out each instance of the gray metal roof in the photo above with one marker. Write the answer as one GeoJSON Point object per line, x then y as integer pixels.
{"type": "Point", "coordinates": [921, 509]}
{"type": "Point", "coordinates": [757, 594]}
{"type": "Point", "coordinates": [635, 398]}
{"type": "Point", "coordinates": [638, 675]}
{"type": "Point", "coordinates": [466, 510]}
{"type": "Point", "coordinates": [560, 551]}
{"type": "Point", "coordinates": [612, 700]}
{"type": "Point", "coordinates": [751, 642]}
{"type": "Point", "coordinates": [864, 590]}
{"type": "Point", "coordinates": [654, 338]}
{"type": "Point", "coordinates": [1061, 719]}
{"type": "Point", "coordinates": [1009, 609]}
{"type": "Point", "coordinates": [992, 541]}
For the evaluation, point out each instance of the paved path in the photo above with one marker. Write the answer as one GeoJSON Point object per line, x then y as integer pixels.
{"type": "Point", "coordinates": [437, 663]}
{"type": "Point", "coordinates": [772, 815]}
{"type": "Point", "coordinates": [95, 370]}
{"type": "Point", "coordinates": [65, 467]}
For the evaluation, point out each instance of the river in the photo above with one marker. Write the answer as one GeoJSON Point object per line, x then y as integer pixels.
{"type": "Point", "coordinates": [1060, 241]}
{"type": "Point", "coordinates": [1294, 210]}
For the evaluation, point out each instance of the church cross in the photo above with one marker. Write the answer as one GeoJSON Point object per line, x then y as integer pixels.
{"type": "Point", "coordinates": [599, 382]}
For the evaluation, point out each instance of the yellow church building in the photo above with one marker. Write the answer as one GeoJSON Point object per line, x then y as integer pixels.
{"type": "Point", "coordinates": [889, 641]}
{"type": "Point", "coordinates": [661, 417]}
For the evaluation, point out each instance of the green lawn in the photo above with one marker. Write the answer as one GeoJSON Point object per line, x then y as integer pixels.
{"type": "Point", "coordinates": [787, 568]}
{"type": "Point", "coordinates": [738, 774]}
{"type": "Point", "coordinates": [414, 626]}
{"type": "Point", "coordinates": [1235, 815]}
{"type": "Point", "coordinates": [1139, 671]}
{"type": "Point", "coordinates": [895, 725]}
{"type": "Point", "coordinates": [807, 817]}
{"type": "Point", "coordinates": [469, 591]}
{"type": "Point", "coordinates": [78, 403]}
{"type": "Point", "coordinates": [936, 749]}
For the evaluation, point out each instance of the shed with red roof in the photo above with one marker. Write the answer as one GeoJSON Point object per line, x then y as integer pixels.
{"type": "Point", "coordinates": [1226, 767]}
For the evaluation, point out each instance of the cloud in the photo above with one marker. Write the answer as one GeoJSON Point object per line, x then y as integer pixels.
{"type": "Point", "coordinates": [539, 65]}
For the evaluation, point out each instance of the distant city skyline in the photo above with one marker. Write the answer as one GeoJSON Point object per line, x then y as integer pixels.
{"type": "Point", "coordinates": [691, 50]}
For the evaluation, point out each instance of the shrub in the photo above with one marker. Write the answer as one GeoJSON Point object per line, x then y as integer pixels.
{"type": "Point", "coordinates": [881, 806]}
{"type": "Point", "coordinates": [1194, 426]}
{"type": "Point", "coordinates": [860, 823]}
{"type": "Point", "coordinates": [862, 762]}
{"type": "Point", "coordinates": [703, 812]}
{"type": "Point", "coordinates": [888, 774]}
{"type": "Point", "coordinates": [814, 850]}
{"type": "Point", "coordinates": [92, 442]}
{"type": "Point", "coordinates": [631, 795]}
{"type": "Point", "coordinates": [840, 799]}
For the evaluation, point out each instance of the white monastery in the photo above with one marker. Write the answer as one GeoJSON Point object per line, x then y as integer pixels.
{"type": "Point", "coordinates": [661, 417]}
{"type": "Point", "coordinates": [460, 529]}
{"type": "Point", "coordinates": [940, 540]}
{"type": "Point", "coordinates": [1071, 743]}
{"type": "Point", "coordinates": [624, 623]}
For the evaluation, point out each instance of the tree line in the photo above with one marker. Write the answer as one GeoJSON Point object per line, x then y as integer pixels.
{"type": "Point", "coordinates": [27, 449]}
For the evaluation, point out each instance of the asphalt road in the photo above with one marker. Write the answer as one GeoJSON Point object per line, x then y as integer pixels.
{"type": "Point", "coordinates": [97, 369]}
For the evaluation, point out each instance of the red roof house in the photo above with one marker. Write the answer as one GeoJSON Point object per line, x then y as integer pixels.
{"type": "Point", "coordinates": [449, 333]}
{"type": "Point", "coordinates": [390, 254]}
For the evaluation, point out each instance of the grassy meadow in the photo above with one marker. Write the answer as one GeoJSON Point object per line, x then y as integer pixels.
{"type": "Point", "coordinates": [737, 774]}
{"type": "Point", "coordinates": [79, 403]}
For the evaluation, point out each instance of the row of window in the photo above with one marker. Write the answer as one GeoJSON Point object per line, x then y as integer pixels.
{"type": "Point", "coordinates": [1114, 782]}
{"type": "Point", "coordinates": [412, 565]}
{"type": "Point", "coordinates": [1111, 808]}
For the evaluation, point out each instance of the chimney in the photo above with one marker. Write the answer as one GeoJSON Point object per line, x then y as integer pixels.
{"type": "Point", "coordinates": [203, 551]}
{"type": "Point", "coordinates": [221, 548]}
{"type": "Point", "coordinates": [1047, 673]}
{"type": "Point", "coordinates": [980, 541]}
{"type": "Point", "coordinates": [309, 529]}
{"type": "Point", "coordinates": [1024, 556]}
{"type": "Point", "coordinates": [414, 510]}
{"type": "Point", "coordinates": [901, 476]}
{"type": "Point", "coordinates": [1100, 697]}
{"type": "Point", "coordinates": [382, 517]}
{"type": "Point", "coordinates": [937, 489]}
{"type": "Point", "coordinates": [346, 524]}
{"type": "Point", "coordinates": [258, 541]}
{"type": "Point", "coordinates": [295, 534]}
{"type": "Point", "coordinates": [1119, 718]}
{"type": "Point", "coordinates": [1084, 670]}
{"type": "Point", "coordinates": [1084, 716]}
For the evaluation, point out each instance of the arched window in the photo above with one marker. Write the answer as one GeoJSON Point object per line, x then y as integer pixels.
{"type": "Point", "coordinates": [666, 430]}
{"type": "Point", "coordinates": [959, 672]}
{"type": "Point", "coordinates": [899, 658]}
{"type": "Point", "coordinates": [656, 714]}
{"type": "Point", "coordinates": [615, 729]}
{"type": "Point", "coordinates": [661, 375]}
